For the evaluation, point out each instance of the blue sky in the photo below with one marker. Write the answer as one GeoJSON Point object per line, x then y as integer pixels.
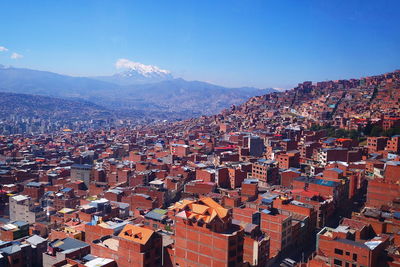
{"type": "Point", "coordinates": [235, 43]}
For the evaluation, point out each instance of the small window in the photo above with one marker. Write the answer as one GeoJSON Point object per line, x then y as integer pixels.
{"type": "Point", "coordinates": [338, 251]}
{"type": "Point", "coordinates": [337, 262]}
{"type": "Point", "coordinates": [347, 253]}
{"type": "Point", "coordinates": [354, 257]}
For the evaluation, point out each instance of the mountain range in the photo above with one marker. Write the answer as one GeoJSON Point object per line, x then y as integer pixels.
{"type": "Point", "coordinates": [140, 89]}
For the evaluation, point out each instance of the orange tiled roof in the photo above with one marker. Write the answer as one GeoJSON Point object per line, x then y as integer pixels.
{"type": "Point", "coordinates": [136, 233]}
{"type": "Point", "coordinates": [205, 209]}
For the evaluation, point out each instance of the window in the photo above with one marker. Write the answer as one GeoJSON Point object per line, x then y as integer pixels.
{"type": "Point", "coordinates": [337, 262]}
{"type": "Point", "coordinates": [347, 253]}
{"type": "Point", "coordinates": [347, 264]}
{"type": "Point", "coordinates": [338, 251]}
{"type": "Point", "coordinates": [354, 257]}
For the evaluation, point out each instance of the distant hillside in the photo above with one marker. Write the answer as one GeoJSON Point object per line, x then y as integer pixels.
{"type": "Point", "coordinates": [175, 98]}
{"type": "Point", "coordinates": [178, 95]}
{"type": "Point", "coordinates": [331, 101]}
{"type": "Point", "coordinates": [49, 107]}
{"type": "Point", "coordinates": [27, 81]}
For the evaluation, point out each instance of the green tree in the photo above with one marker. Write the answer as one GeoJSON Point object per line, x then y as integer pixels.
{"type": "Point", "coordinates": [376, 131]}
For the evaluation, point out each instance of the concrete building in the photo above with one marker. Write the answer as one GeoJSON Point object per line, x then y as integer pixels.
{"type": "Point", "coordinates": [22, 208]}
{"type": "Point", "coordinates": [82, 172]}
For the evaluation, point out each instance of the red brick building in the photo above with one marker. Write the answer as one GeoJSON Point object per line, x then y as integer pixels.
{"type": "Point", "coordinates": [288, 175]}
{"type": "Point", "coordinates": [179, 150]}
{"type": "Point", "coordinates": [266, 171]}
{"type": "Point", "coordinates": [376, 144]}
{"type": "Point", "coordinates": [205, 235]}
{"type": "Point", "coordinates": [279, 228]}
{"type": "Point", "coordinates": [288, 160]}
{"type": "Point", "coordinates": [134, 246]}
{"type": "Point", "coordinates": [393, 144]}
{"type": "Point", "coordinates": [343, 247]}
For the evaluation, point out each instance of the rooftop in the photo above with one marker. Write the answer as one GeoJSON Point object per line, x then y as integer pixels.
{"type": "Point", "coordinates": [136, 233]}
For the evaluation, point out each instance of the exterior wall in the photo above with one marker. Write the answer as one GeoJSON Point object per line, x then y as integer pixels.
{"type": "Point", "coordinates": [249, 190]}
{"type": "Point", "coordinates": [21, 211]}
{"type": "Point", "coordinates": [380, 193]}
{"type": "Point", "coordinates": [256, 146]}
{"type": "Point", "coordinates": [236, 177]}
{"type": "Point", "coordinates": [256, 253]}
{"type": "Point", "coordinates": [199, 188]}
{"type": "Point", "coordinates": [287, 178]}
{"type": "Point", "coordinates": [82, 173]}
{"type": "Point", "coordinates": [93, 232]}
{"type": "Point", "coordinates": [205, 175]}
{"type": "Point", "coordinates": [179, 150]}
{"type": "Point", "coordinates": [392, 173]}
{"type": "Point", "coordinates": [198, 246]}
{"type": "Point", "coordinates": [376, 144]}
{"type": "Point", "coordinates": [244, 214]}
{"type": "Point", "coordinates": [34, 192]}
{"type": "Point", "coordinates": [132, 254]}
{"type": "Point", "coordinates": [393, 145]}
{"type": "Point", "coordinates": [265, 173]}
{"type": "Point", "coordinates": [286, 161]}
{"type": "Point", "coordinates": [348, 253]}
{"type": "Point", "coordinates": [279, 229]}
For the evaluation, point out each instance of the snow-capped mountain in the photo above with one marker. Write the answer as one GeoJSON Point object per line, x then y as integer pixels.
{"type": "Point", "coordinates": [136, 73]}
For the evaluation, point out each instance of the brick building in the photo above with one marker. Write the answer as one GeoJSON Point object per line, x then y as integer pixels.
{"type": "Point", "coordinates": [134, 246]}
{"type": "Point", "coordinates": [342, 246]}
{"type": "Point", "coordinates": [376, 144]}
{"type": "Point", "coordinates": [288, 160]}
{"type": "Point", "coordinates": [278, 226]}
{"type": "Point", "coordinates": [205, 235]}
{"type": "Point", "coordinates": [266, 171]}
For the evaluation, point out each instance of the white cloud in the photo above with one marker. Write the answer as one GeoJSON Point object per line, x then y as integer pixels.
{"type": "Point", "coordinates": [16, 56]}
{"type": "Point", "coordinates": [124, 63]}
{"type": "Point", "coordinates": [3, 49]}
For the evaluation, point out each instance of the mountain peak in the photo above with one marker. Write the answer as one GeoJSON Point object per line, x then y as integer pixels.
{"type": "Point", "coordinates": [145, 70]}
{"type": "Point", "coordinates": [135, 72]}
